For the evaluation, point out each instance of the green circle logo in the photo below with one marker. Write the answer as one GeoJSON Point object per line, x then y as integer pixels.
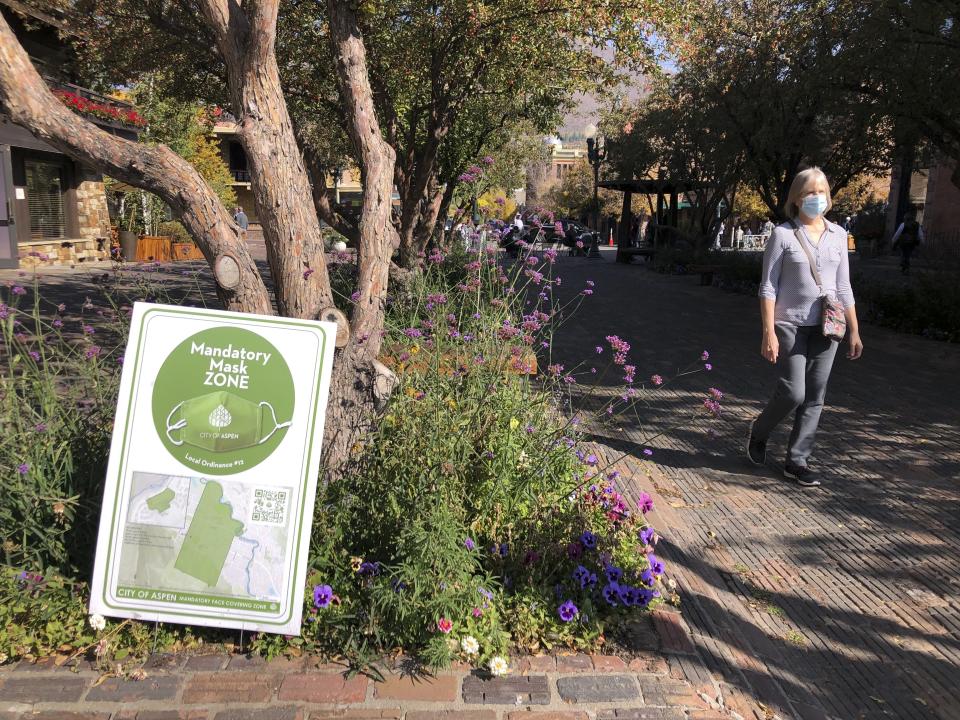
{"type": "Point", "coordinates": [223, 401]}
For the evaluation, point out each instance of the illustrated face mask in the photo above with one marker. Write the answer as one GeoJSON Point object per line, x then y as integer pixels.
{"type": "Point", "coordinates": [814, 205]}
{"type": "Point", "coordinates": [221, 421]}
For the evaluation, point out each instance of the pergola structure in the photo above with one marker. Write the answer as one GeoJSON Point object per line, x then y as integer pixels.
{"type": "Point", "coordinates": [665, 217]}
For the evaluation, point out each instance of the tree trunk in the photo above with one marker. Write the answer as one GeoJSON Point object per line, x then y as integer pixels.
{"type": "Point", "coordinates": [246, 40]}
{"type": "Point", "coordinates": [26, 100]}
{"type": "Point", "coordinates": [355, 380]}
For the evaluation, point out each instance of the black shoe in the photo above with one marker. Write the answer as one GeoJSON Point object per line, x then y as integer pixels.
{"type": "Point", "coordinates": [802, 474]}
{"type": "Point", "coordinates": [756, 449]}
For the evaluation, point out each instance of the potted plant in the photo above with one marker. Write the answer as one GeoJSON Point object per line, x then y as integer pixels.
{"type": "Point", "coordinates": [127, 235]}
{"type": "Point", "coordinates": [182, 246]}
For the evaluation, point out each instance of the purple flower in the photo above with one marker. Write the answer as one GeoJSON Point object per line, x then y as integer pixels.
{"type": "Point", "coordinates": [57, 323]}
{"type": "Point", "coordinates": [705, 355]}
{"type": "Point", "coordinates": [588, 291]}
{"type": "Point", "coordinates": [307, 273]}
{"type": "Point", "coordinates": [355, 296]}
{"type": "Point", "coordinates": [645, 503]}
{"type": "Point", "coordinates": [369, 568]}
{"type": "Point", "coordinates": [568, 611]}
{"type": "Point", "coordinates": [648, 452]}
{"type": "Point", "coordinates": [88, 330]}
{"type": "Point", "coordinates": [707, 366]}
{"type": "Point", "coordinates": [656, 565]}
{"type": "Point", "coordinates": [92, 352]}
{"type": "Point", "coordinates": [588, 540]}
{"type": "Point", "coordinates": [40, 427]}
{"type": "Point", "coordinates": [648, 578]}
{"type": "Point", "coordinates": [469, 544]}
{"type": "Point", "coordinates": [322, 595]}
{"type": "Point", "coordinates": [716, 394]}
{"type": "Point", "coordinates": [647, 535]}
{"type": "Point", "coordinates": [62, 307]}
{"type": "Point", "coordinates": [23, 468]}
{"type": "Point", "coordinates": [34, 355]}
{"type": "Point", "coordinates": [412, 333]}
{"type": "Point", "coordinates": [591, 459]}
{"type": "Point", "coordinates": [614, 574]}
{"type": "Point", "coordinates": [611, 593]}
{"type": "Point", "coordinates": [18, 290]}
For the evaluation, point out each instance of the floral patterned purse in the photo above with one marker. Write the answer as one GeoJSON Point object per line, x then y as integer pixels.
{"type": "Point", "coordinates": [833, 320]}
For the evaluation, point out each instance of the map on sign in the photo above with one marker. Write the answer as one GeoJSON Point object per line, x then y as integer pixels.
{"type": "Point", "coordinates": [193, 534]}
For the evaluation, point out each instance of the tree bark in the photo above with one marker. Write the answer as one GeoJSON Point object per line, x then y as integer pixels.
{"type": "Point", "coordinates": [355, 375]}
{"type": "Point", "coordinates": [246, 39]}
{"type": "Point", "coordinates": [27, 101]}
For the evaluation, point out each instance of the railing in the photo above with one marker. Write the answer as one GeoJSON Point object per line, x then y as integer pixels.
{"type": "Point", "coordinates": [240, 175]}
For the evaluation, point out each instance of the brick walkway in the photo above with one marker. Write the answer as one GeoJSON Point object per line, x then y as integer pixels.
{"type": "Point", "coordinates": [839, 602]}
{"type": "Point", "coordinates": [221, 687]}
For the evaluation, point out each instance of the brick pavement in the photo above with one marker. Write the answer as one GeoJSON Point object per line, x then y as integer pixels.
{"type": "Point", "coordinates": [579, 687]}
{"type": "Point", "coordinates": [839, 602]}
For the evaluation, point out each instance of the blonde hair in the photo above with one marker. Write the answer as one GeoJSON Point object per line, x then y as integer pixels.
{"type": "Point", "coordinates": [802, 183]}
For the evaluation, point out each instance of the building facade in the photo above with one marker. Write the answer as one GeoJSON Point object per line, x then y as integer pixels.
{"type": "Point", "coordinates": [346, 190]}
{"type": "Point", "coordinates": [53, 210]}
{"type": "Point", "coordinates": [543, 177]}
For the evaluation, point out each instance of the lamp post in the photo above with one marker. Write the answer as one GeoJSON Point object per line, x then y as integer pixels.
{"type": "Point", "coordinates": [337, 177]}
{"type": "Point", "coordinates": [596, 154]}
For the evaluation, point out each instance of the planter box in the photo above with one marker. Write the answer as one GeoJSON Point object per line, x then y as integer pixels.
{"type": "Point", "coordinates": [185, 251]}
{"type": "Point", "coordinates": [154, 248]}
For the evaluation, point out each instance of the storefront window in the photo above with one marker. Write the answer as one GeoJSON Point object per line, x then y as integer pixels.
{"type": "Point", "coordinates": [45, 198]}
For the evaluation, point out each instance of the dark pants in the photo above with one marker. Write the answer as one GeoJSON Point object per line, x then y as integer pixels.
{"type": "Point", "coordinates": [804, 364]}
{"type": "Point", "coordinates": [906, 250]}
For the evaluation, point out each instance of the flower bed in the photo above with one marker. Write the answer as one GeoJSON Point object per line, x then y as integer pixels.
{"type": "Point", "coordinates": [111, 113]}
{"type": "Point", "coordinates": [473, 526]}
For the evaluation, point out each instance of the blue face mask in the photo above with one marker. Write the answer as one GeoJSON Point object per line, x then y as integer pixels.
{"type": "Point", "coordinates": [814, 205]}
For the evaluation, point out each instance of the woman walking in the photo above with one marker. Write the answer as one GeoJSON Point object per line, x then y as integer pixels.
{"type": "Point", "coordinates": [805, 269]}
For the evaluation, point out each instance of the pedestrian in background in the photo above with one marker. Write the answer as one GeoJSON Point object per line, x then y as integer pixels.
{"type": "Point", "coordinates": [907, 237]}
{"type": "Point", "coordinates": [791, 307]}
{"type": "Point", "coordinates": [240, 218]}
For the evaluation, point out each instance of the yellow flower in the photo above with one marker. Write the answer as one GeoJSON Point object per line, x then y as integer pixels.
{"type": "Point", "coordinates": [355, 563]}
{"type": "Point", "coordinates": [451, 403]}
{"type": "Point", "coordinates": [410, 392]}
{"type": "Point", "coordinates": [514, 423]}
{"type": "Point", "coordinates": [415, 349]}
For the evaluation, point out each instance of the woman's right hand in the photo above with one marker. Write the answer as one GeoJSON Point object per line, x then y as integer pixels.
{"type": "Point", "coordinates": [770, 346]}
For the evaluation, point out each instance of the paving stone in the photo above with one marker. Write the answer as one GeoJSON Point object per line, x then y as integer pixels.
{"type": "Point", "coordinates": [66, 715]}
{"type": "Point", "coordinates": [205, 663]}
{"type": "Point", "coordinates": [163, 662]}
{"type": "Point", "coordinates": [358, 714]}
{"type": "Point", "coordinates": [608, 663]}
{"type": "Point", "coordinates": [318, 687]}
{"type": "Point", "coordinates": [158, 687]}
{"type": "Point", "coordinates": [547, 715]}
{"type": "Point", "coordinates": [574, 663]}
{"type": "Point", "coordinates": [535, 663]}
{"type": "Point", "coordinates": [235, 687]}
{"type": "Point", "coordinates": [41, 665]}
{"type": "Point", "coordinates": [160, 715]}
{"type": "Point", "coordinates": [442, 688]}
{"type": "Point", "coordinates": [256, 663]}
{"type": "Point", "coordinates": [649, 664]}
{"type": "Point", "coordinates": [516, 690]}
{"type": "Point", "coordinates": [642, 714]}
{"type": "Point", "coordinates": [29, 688]}
{"type": "Point", "coordinates": [597, 688]}
{"type": "Point", "coordinates": [290, 712]}
{"type": "Point", "coordinates": [450, 715]}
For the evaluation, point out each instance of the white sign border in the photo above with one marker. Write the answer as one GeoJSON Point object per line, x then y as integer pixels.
{"type": "Point", "coordinates": [108, 540]}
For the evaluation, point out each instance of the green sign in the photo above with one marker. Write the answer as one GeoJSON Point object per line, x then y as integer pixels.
{"type": "Point", "coordinates": [213, 469]}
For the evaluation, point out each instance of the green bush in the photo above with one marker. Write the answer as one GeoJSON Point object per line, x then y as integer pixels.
{"type": "Point", "coordinates": [176, 230]}
{"type": "Point", "coordinates": [929, 305]}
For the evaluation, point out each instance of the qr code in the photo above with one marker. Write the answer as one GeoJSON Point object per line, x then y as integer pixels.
{"type": "Point", "coordinates": [269, 507]}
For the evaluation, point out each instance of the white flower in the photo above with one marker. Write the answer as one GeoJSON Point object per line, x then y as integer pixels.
{"type": "Point", "coordinates": [499, 666]}
{"type": "Point", "coordinates": [3, 658]}
{"type": "Point", "coordinates": [470, 645]}
{"type": "Point", "coordinates": [98, 622]}
{"type": "Point", "coordinates": [523, 461]}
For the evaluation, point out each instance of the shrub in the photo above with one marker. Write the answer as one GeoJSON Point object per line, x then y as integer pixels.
{"type": "Point", "coordinates": [929, 305]}
{"type": "Point", "coordinates": [176, 230]}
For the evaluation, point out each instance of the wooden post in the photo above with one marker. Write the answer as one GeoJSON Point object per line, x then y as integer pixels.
{"type": "Point", "coordinates": [623, 229]}
{"type": "Point", "coordinates": [674, 207]}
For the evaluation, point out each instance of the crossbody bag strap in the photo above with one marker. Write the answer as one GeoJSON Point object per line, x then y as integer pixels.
{"type": "Point", "coordinates": [813, 265]}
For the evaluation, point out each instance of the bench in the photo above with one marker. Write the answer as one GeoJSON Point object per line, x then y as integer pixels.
{"type": "Point", "coordinates": [706, 272]}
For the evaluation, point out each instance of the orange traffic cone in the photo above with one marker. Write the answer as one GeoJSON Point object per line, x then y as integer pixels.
{"type": "Point", "coordinates": [610, 240]}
